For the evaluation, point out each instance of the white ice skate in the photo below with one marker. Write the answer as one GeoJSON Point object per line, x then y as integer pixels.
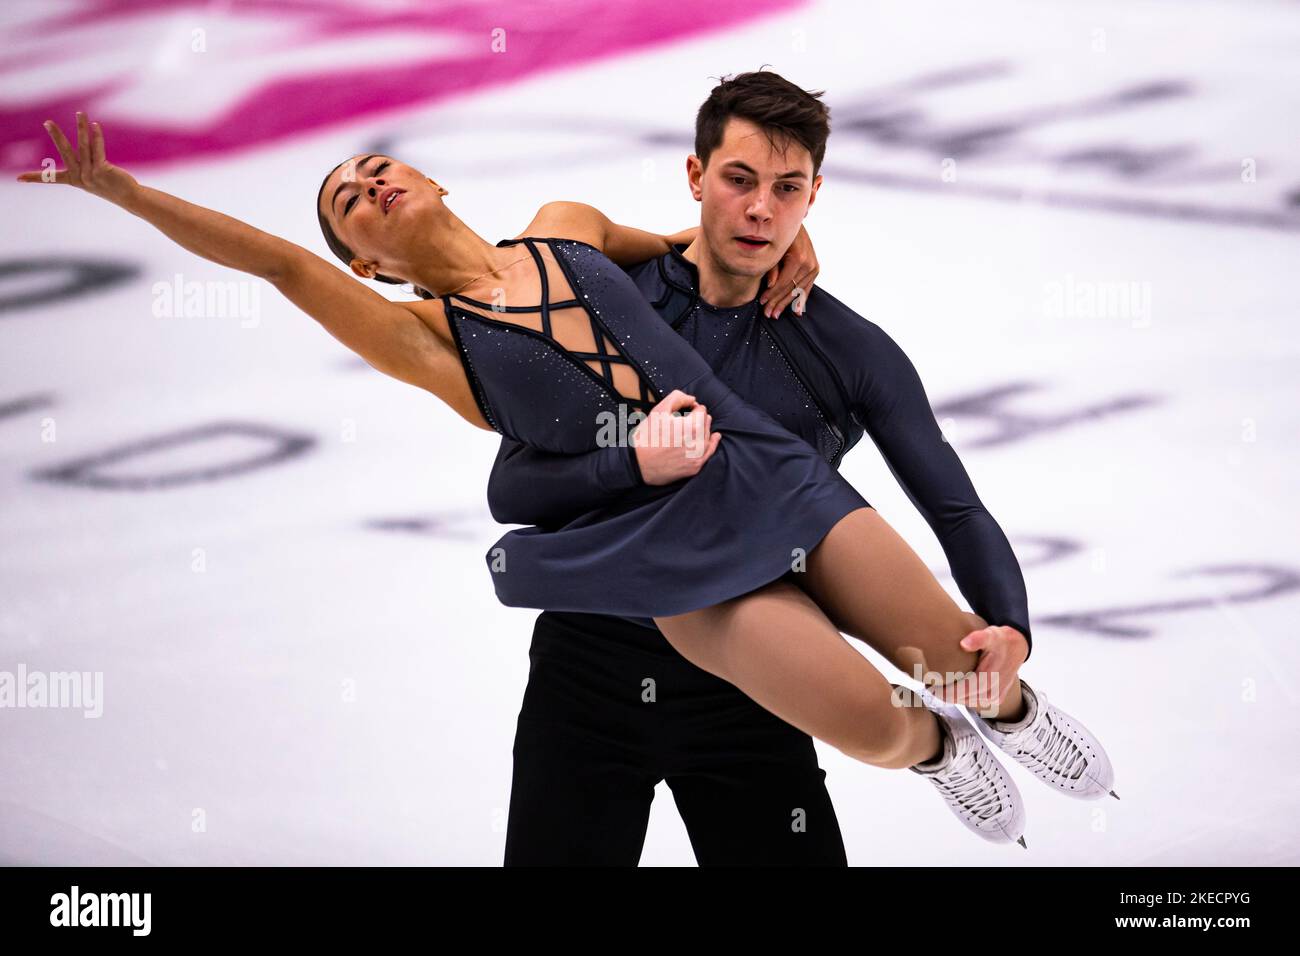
{"type": "Point", "coordinates": [970, 779]}
{"type": "Point", "coordinates": [1053, 746]}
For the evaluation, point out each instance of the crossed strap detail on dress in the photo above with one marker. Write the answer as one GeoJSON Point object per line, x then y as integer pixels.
{"type": "Point", "coordinates": [603, 350]}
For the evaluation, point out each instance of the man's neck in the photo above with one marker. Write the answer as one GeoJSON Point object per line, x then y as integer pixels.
{"type": "Point", "coordinates": [720, 288]}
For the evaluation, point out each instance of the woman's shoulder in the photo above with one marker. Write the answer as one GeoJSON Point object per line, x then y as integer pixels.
{"type": "Point", "coordinates": [567, 220]}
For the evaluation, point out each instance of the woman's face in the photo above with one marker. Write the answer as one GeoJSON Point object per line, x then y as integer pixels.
{"type": "Point", "coordinates": [377, 206]}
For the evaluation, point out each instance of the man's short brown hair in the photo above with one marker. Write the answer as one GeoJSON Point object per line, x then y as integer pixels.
{"type": "Point", "coordinates": [783, 110]}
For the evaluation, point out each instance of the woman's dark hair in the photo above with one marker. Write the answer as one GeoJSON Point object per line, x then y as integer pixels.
{"type": "Point", "coordinates": [771, 102]}
{"type": "Point", "coordinates": [343, 252]}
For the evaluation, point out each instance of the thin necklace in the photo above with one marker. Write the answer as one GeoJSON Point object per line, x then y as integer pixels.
{"type": "Point", "coordinates": [477, 277]}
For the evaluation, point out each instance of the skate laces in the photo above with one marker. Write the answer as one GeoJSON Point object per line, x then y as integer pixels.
{"type": "Point", "coordinates": [971, 790]}
{"type": "Point", "coordinates": [1054, 748]}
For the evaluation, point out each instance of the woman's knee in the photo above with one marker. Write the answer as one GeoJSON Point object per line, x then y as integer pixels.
{"type": "Point", "coordinates": [883, 735]}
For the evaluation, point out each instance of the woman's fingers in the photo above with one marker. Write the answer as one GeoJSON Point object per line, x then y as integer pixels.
{"type": "Point", "coordinates": [97, 144]}
{"type": "Point", "coordinates": [83, 140]}
{"type": "Point", "coordinates": [775, 309]}
{"type": "Point", "coordinates": [61, 144]}
{"type": "Point", "coordinates": [57, 176]}
{"type": "Point", "coordinates": [780, 299]}
{"type": "Point", "coordinates": [793, 288]}
{"type": "Point", "coordinates": [798, 293]}
{"type": "Point", "coordinates": [775, 287]}
{"type": "Point", "coordinates": [806, 283]}
{"type": "Point", "coordinates": [83, 158]}
{"type": "Point", "coordinates": [795, 270]}
{"type": "Point", "coordinates": [781, 295]}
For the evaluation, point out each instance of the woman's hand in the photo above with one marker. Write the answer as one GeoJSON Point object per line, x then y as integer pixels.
{"type": "Point", "coordinates": [86, 166]}
{"type": "Point", "coordinates": [1002, 650]}
{"type": "Point", "coordinates": [791, 279]}
{"type": "Point", "coordinates": [669, 446]}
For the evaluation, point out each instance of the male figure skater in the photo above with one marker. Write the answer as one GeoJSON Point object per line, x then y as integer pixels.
{"type": "Point", "coordinates": [611, 708]}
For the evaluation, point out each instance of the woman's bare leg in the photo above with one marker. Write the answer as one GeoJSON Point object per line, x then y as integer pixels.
{"type": "Point", "coordinates": [873, 586]}
{"type": "Point", "coordinates": [777, 646]}
{"type": "Point", "coordinates": [781, 645]}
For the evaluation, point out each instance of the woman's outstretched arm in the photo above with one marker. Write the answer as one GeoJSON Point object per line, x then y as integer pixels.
{"type": "Point", "coordinates": [390, 336]}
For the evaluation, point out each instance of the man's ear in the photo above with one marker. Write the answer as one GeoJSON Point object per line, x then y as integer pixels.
{"type": "Point", "coordinates": [364, 268]}
{"type": "Point", "coordinates": [694, 180]}
{"type": "Point", "coordinates": [812, 197]}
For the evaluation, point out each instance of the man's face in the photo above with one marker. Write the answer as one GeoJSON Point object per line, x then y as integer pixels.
{"type": "Point", "coordinates": [752, 190]}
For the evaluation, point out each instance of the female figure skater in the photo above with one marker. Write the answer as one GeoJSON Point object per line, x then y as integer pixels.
{"type": "Point", "coordinates": [751, 567]}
